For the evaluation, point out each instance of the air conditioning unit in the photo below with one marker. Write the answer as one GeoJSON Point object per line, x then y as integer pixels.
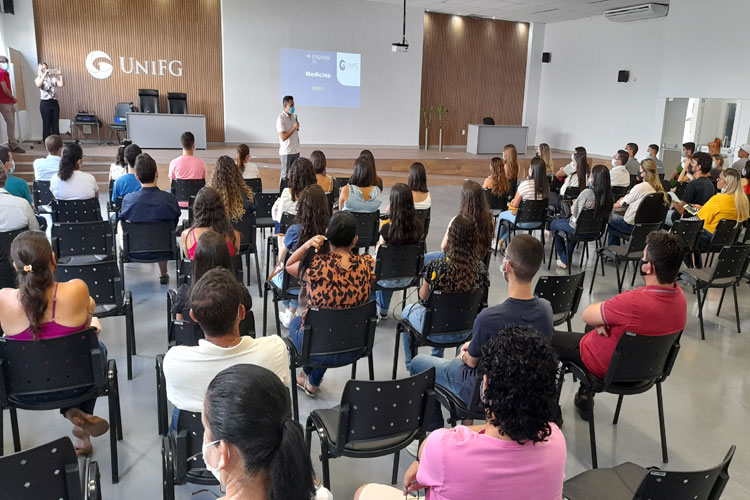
{"type": "Point", "coordinates": [637, 12]}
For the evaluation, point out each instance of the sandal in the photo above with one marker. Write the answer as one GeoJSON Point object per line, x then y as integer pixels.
{"type": "Point", "coordinates": [309, 389]}
{"type": "Point", "coordinates": [90, 424]}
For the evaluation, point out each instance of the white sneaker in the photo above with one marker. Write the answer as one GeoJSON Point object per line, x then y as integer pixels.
{"type": "Point", "coordinates": [560, 264]}
{"type": "Point", "coordinates": [286, 317]}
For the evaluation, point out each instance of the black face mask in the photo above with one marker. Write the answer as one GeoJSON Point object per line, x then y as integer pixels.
{"type": "Point", "coordinates": [640, 268]}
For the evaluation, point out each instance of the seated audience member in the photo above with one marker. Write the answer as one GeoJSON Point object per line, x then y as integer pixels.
{"type": "Point", "coordinates": [127, 183]}
{"type": "Point", "coordinates": [403, 228]}
{"type": "Point", "coordinates": [312, 219]}
{"type": "Point", "coordinates": [262, 455]}
{"type": "Point", "coordinates": [300, 175]}
{"type": "Point", "coordinates": [535, 187]}
{"type": "Point", "coordinates": [518, 453]}
{"type": "Point", "coordinates": [570, 168]}
{"type": "Point", "coordinates": [417, 182]}
{"type": "Point", "coordinates": [187, 166]}
{"type": "Point", "coordinates": [248, 169]}
{"type": "Point", "coordinates": [361, 195]}
{"type": "Point", "coordinates": [71, 183]}
{"type": "Point", "coordinates": [47, 167]}
{"type": "Point", "coordinates": [235, 195]}
{"type": "Point", "coordinates": [597, 196]}
{"type": "Point", "coordinates": [336, 278]}
{"type": "Point", "coordinates": [42, 308]}
{"type": "Point", "coordinates": [510, 157]}
{"type": "Point", "coordinates": [632, 165]}
{"type": "Point", "coordinates": [324, 180]}
{"type": "Point", "coordinates": [496, 180]}
{"type": "Point", "coordinates": [651, 184]}
{"type": "Point", "coordinates": [376, 181]}
{"type": "Point", "coordinates": [575, 179]}
{"type": "Point", "coordinates": [209, 214]}
{"type": "Point", "coordinates": [458, 375]}
{"type": "Point", "coordinates": [743, 154]}
{"type": "Point", "coordinates": [211, 252]}
{"type": "Point", "coordinates": [730, 203]}
{"type": "Point", "coordinates": [699, 190]}
{"type": "Point", "coordinates": [716, 167]}
{"type": "Point", "coordinates": [13, 185]}
{"type": "Point", "coordinates": [15, 212]}
{"type": "Point", "coordinates": [543, 151]}
{"type": "Point", "coordinates": [659, 308]}
{"type": "Point", "coordinates": [688, 149]}
{"type": "Point", "coordinates": [460, 270]}
{"type": "Point", "coordinates": [216, 306]}
{"type": "Point", "coordinates": [653, 151]}
{"type": "Point", "coordinates": [619, 175]}
{"type": "Point", "coordinates": [745, 180]}
{"type": "Point", "coordinates": [120, 165]}
{"type": "Point", "coordinates": [150, 204]}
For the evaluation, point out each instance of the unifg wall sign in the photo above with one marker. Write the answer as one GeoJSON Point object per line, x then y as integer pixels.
{"type": "Point", "coordinates": [99, 65]}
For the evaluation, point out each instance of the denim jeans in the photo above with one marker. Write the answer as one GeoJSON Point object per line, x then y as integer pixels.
{"type": "Point", "coordinates": [447, 375]}
{"type": "Point", "coordinates": [510, 216]}
{"type": "Point", "coordinates": [414, 314]}
{"type": "Point", "coordinates": [563, 252]}
{"type": "Point", "coordinates": [617, 222]}
{"type": "Point", "coordinates": [430, 256]}
{"type": "Point", "coordinates": [383, 297]}
{"type": "Point", "coordinates": [315, 375]}
{"type": "Point", "coordinates": [276, 280]}
{"type": "Point", "coordinates": [173, 423]}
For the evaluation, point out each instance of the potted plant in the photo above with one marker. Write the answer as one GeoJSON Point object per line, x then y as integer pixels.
{"type": "Point", "coordinates": [442, 121]}
{"type": "Point", "coordinates": [427, 118]}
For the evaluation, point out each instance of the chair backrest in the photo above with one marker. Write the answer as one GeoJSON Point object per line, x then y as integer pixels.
{"type": "Point", "coordinates": [148, 237]}
{"type": "Point", "coordinates": [246, 228]}
{"type": "Point", "coordinates": [666, 184]}
{"type": "Point", "coordinates": [255, 185]}
{"type": "Point", "coordinates": [184, 332]}
{"type": "Point", "coordinates": [680, 189]}
{"type": "Point", "coordinates": [46, 471]}
{"type": "Point", "coordinates": [263, 204]}
{"type": "Point", "coordinates": [177, 103]}
{"type": "Point", "coordinates": [706, 484]}
{"type": "Point", "coordinates": [191, 423]}
{"type": "Point", "coordinates": [572, 192]}
{"type": "Point", "coordinates": [731, 263]}
{"type": "Point", "coordinates": [562, 292]}
{"type": "Point", "coordinates": [148, 100]}
{"type": "Point", "coordinates": [688, 231]}
{"type": "Point", "coordinates": [287, 220]}
{"type": "Point", "coordinates": [42, 194]}
{"type": "Point", "coordinates": [423, 215]}
{"type": "Point", "coordinates": [183, 189]}
{"type": "Point", "coordinates": [532, 211]}
{"type": "Point", "coordinates": [588, 224]}
{"type": "Point", "coordinates": [7, 272]}
{"type": "Point", "coordinates": [82, 238]}
{"type": "Point", "coordinates": [338, 183]}
{"type": "Point", "coordinates": [377, 410]}
{"type": "Point", "coordinates": [122, 109]}
{"type": "Point", "coordinates": [76, 210]}
{"type": "Point", "coordinates": [398, 261]}
{"type": "Point", "coordinates": [619, 191]}
{"type": "Point", "coordinates": [451, 312]}
{"type": "Point", "coordinates": [338, 331]}
{"type": "Point", "coordinates": [367, 228]}
{"type": "Point", "coordinates": [652, 209]}
{"type": "Point", "coordinates": [726, 233]}
{"type": "Point", "coordinates": [638, 237]}
{"type": "Point", "coordinates": [102, 278]}
{"type": "Point", "coordinates": [642, 358]}
{"type": "Point", "coordinates": [497, 202]}
{"type": "Point", "coordinates": [185, 269]}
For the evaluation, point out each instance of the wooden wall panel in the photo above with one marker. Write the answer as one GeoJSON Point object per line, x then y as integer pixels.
{"type": "Point", "coordinates": [146, 30]}
{"type": "Point", "coordinates": [475, 68]}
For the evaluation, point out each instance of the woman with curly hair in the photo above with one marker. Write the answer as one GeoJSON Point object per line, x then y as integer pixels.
{"type": "Point", "coordinates": [460, 270]}
{"type": "Point", "coordinates": [496, 181]}
{"type": "Point", "coordinates": [519, 451]}
{"type": "Point", "coordinates": [236, 196]}
{"type": "Point", "coordinates": [209, 214]}
{"type": "Point", "coordinates": [301, 175]}
{"type": "Point", "coordinates": [248, 170]}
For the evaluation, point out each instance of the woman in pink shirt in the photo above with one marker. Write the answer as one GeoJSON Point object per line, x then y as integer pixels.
{"type": "Point", "coordinates": [518, 453]}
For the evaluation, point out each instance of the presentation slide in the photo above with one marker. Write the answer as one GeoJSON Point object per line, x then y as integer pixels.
{"type": "Point", "coordinates": [320, 78]}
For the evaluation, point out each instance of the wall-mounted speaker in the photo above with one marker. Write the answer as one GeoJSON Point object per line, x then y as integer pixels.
{"type": "Point", "coordinates": [623, 76]}
{"type": "Point", "coordinates": [8, 7]}
{"type": "Point", "coordinates": [546, 57]}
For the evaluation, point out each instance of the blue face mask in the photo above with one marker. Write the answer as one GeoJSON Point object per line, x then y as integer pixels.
{"type": "Point", "coordinates": [4, 66]}
{"type": "Point", "coordinates": [291, 110]}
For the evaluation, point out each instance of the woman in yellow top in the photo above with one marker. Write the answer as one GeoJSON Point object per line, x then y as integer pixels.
{"type": "Point", "coordinates": [731, 203]}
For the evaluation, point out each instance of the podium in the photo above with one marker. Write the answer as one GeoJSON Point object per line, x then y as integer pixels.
{"type": "Point", "coordinates": [491, 139]}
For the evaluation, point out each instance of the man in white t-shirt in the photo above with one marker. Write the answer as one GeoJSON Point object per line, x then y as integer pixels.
{"type": "Point", "coordinates": [742, 156]}
{"type": "Point", "coordinates": [287, 127]}
{"type": "Point", "coordinates": [215, 304]}
{"type": "Point", "coordinates": [619, 175]}
{"type": "Point", "coordinates": [632, 165]}
{"type": "Point", "coordinates": [46, 168]}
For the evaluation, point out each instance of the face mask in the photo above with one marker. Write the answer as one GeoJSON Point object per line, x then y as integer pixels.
{"type": "Point", "coordinates": [713, 165]}
{"type": "Point", "coordinates": [614, 162]}
{"type": "Point", "coordinates": [482, 396]}
{"type": "Point", "coordinates": [291, 110]}
{"type": "Point", "coordinates": [503, 269]}
{"type": "Point", "coordinates": [640, 269]}
{"type": "Point", "coordinates": [4, 66]}
{"type": "Point", "coordinates": [12, 166]}
{"type": "Point", "coordinates": [212, 470]}
{"type": "Point", "coordinates": [573, 157]}
{"type": "Point", "coordinates": [724, 190]}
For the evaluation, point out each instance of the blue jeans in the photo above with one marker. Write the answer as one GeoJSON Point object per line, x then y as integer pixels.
{"type": "Point", "coordinates": [276, 280]}
{"type": "Point", "coordinates": [383, 297]}
{"type": "Point", "coordinates": [447, 375]}
{"type": "Point", "coordinates": [315, 375]}
{"type": "Point", "coordinates": [511, 217]}
{"type": "Point", "coordinates": [563, 252]}
{"type": "Point", "coordinates": [414, 314]}
{"type": "Point", "coordinates": [617, 222]}
{"type": "Point", "coordinates": [173, 423]}
{"type": "Point", "coordinates": [430, 256]}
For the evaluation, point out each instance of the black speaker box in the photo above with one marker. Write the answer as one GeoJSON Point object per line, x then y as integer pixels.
{"type": "Point", "coordinates": [8, 7]}
{"type": "Point", "coordinates": [623, 76]}
{"type": "Point", "coordinates": [546, 57]}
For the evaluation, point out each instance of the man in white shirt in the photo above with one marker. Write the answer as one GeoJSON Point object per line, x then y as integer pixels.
{"type": "Point", "coordinates": [653, 150]}
{"type": "Point", "coordinates": [15, 212]}
{"type": "Point", "coordinates": [742, 156]}
{"type": "Point", "coordinates": [287, 127]}
{"type": "Point", "coordinates": [632, 165]}
{"type": "Point", "coordinates": [216, 306]}
{"type": "Point", "coordinates": [619, 175]}
{"type": "Point", "coordinates": [46, 168]}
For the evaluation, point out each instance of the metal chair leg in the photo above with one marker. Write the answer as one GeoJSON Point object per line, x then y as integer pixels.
{"type": "Point", "coordinates": [324, 462]}
{"type": "Point", "coordinates": [14, 430]}
{"type": "Point", "coordinates": [700, 310]}
{"type": "Point", "coordinates": [295, 404]}
{"type": "Point", "coordinates": [662, 427]}
{"type": "Point", "coordinates": [721, 301]}
{"type": "Point", "coordinates": [617, 410]}
{"type": "Point", "coordinates": [593, 275]}
{"type": "Point", "coordinates": [736, 308]}
{"type": "Point", "coordinates": [395, 353]}
{"type": "Point", "coordinates": [308, 434]}
{"type": "Point", "coordinates": [620, 281]}
{"type": "Point", "coordinates": [257, 274]}
{"type": "Point", "coordinates": [371, 366]}
{"type": "Point", "coordinates": [395, 467]}
{"type": "Point", "coordinates": [592, 431]}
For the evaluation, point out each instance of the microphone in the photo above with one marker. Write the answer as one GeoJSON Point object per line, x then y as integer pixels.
{"type": "Point", "coordinates": [295, 119]}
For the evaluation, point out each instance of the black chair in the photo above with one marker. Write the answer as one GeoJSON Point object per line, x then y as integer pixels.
{"type": "Point", "coordinates": [49, 471]}
{"type": "Point", "coordinates": [185, 270]}
{"type": "Point", "coordinates": [619, 191]}
{"type": "Point", "coordinates": [564, 295]}
{"type": "Point", "coordinates": [730, 267]}
{"type": "Point", "coordinates": [398, 262]}
{"type": "Point", "coordinates": [79, 242]}
{"type": "Point", "coordinates": [373, 419]}
{"type": "Point", "coordinates": [632, 252]}
{"type": "Point", "coordinates": [272, 242]}
{"type": "Point", "coordinates": [330, 332]}
{"type": "Point", "coordinates": [119, 124]}
{"type": "Point", "coordinates": [255, 185]}
{"type": "Point", "coordinates": [680, 189]}
{"type": "Point", "coordinates": [147, 242]}
{"type": "Point", "coordinates": [458, 410]}
{"type": "Point", "coordinates": [72, 363]}
{"type": "Point", "coordinates": [185, 332]}
{"type": "Point", "coordinates": [338, 183]}
{"type": "Point", "coordinates": [588, 228]}
{"type": "Point", "coordinates": [43, 197]}
{"type": "Point", "coordinates": [283, 184]}
{"type": "Point", "coordinates": [368, 225]}
{"type": "Point", "coordinates": [532, 212]}
{"type": "Point", "coordinates": [446, 313]}
{"type": "Point", "coordinates": [688, 230]}
{"type": "Point", "coordinates": [263, 205]}
{"type": "Point", "coordinates": [148, 100]}
{"type": "Point", "coordinates": [76, 210]}
{"type": "Point", "coordinates": [177, 103]}
{"type": "Point", "coordinates": [246, 226]}
{"type": "Point", "coordinates": [638, 363]}
{"type": "Point", "coordinates": [652, 209]}
{"type": "Point", "coordinates": [7, 271]}
{"type": "Point", "coordinates": [185, 190]}
{"type": "Point", "coordinates": [726, 233]}
{"type": "Point", "coordinates": [423, 215]}
{"type": "Point", "coordinates": [629, 481]}
{"type": "Point", "coordinates": [496, 202]}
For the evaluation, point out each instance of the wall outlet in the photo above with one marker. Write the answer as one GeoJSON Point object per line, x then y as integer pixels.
{"type": "Point", "coordinates": [463, 131]}
{"type": "Point", "coordinates": [87, 129]}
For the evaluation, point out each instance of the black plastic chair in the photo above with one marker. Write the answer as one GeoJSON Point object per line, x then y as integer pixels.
{"type": "Point", "coordinates": [185, 190]}
{"type": "Point", "coordinates": [80, 242]}
{"type": "Point", "coordinates": [730, 267]}
{"type": "Point", "coordinates": [373, 419]}
{"type": "Point", "coordinates": [688, 230]}
{"type": "Point", "coordinates": [7, 271]}
{"type": "Point", "coordinates": [255, 185]}
{"type": "Point", "coordinates": [185, 269]}
{"type": "Point", "coordinates": [496, 202]}
{"type": "Point", "coordinates": [263, 205]}
{"type": "Point", "coordinates": [458, 410]}
{"type": "Point", "coordinates": [289, 283]}
{"type": "Point", "coordinates": [148, 100]}
{"type": "Point", "coordinates": [338, 183]}
{"type": "Point", "coordinates": [423, 215]}
{"type": "Point", "coordinates": [76, 210]}
{"type": "Point", "coordinates": [177, 103]}
{"type": "Point", "coordinates": [446, 313]}
{"type": "Point", "coordinates": [368, 225]}
{"type": "Point", "coordinates": [629, 481]}
{"type": "Point", "coordinates": [43, 197]}
{"type": "Point", "coordinates": [272, 242]}
{"type": "Point", "coordinates": [619, 191]}
{"type": "Point", "coordinates": [246, 226]}
{"type": "Point", "coordinates": [529, 212]}
{"type": "Point", "coordinates": [652, 210]}
{"type": "Point", "coordinates": [119, 125]}
{"type": "Point", "coordinates": [148, 242]}
{"type": "Point", "coordinates": [632, 252]}
{"type": "Point", "coordinates": [187, 333]}
{"type": "Point", "coordinates": [726, 233]}
{"type": "Point", "coordinates": [71, 363]}
{"type": "Point", "coordinates": [333, 331]}
{"type": "Point", "coordinates": [49, 471]}
{"type": "Point", "coordinates": [398, 262]}
{"type": "Point", "coordinates": [588, 228]}
{"type": "Point", "coordinates": [638, 363]}
{"type": "Point", "coordinates": [564, 294]}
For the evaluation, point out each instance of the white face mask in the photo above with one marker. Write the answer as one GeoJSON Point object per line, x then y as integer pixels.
{"type": "Point", "coordinates": [212, 470]}
{"type": "Point", "coordinates": [614, 162]}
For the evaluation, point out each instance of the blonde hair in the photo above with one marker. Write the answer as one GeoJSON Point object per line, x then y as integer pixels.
{"type": "Point", "coordinates": [651, 176]}
{"type": "Point", "coordinates": [734, 187]}
{"type": "Point", "coordinates": [547, 157]}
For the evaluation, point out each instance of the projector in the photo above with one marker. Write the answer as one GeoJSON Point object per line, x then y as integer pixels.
{"type": "Point", "coordinates": [399, 47]}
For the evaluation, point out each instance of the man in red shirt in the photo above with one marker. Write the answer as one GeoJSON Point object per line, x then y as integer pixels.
{"type": "Point", "coordinates": [659, 308]}
{"type": "Point", "coordinates": [7, 108]}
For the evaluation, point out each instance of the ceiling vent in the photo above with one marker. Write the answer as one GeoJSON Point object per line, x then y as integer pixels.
{"type": "Point", "coordinates": [637, 12]}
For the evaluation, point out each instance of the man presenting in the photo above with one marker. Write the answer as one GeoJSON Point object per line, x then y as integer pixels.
{"type": "Point", "coordinates": [7, 108]}
{"type": "Point", "coordinates": [287, 126]}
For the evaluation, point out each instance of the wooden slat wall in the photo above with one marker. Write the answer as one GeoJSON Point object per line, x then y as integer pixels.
{"type": "Point", "coordinates": [186, 30]}
{"type": "Point", "coordinates": [475, 68]}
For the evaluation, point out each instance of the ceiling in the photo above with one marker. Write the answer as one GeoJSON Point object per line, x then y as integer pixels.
{"type": "Point", "coordinates": [541, 11]}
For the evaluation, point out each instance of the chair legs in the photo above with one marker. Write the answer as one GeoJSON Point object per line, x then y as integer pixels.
{"type": "Point", "coordinates": [592, 430]}
{"type": "Point", "coordinates": [395, 352]}
{"type": "Point", "coordinates": [324, 463]}
{"type": "Point", "coordinates": [593, 275]}
{"type": "Point", "coordinates": [292, 380]}
{"type": "Point", "coordinates": [114, 424]}
{"type": "Point", "coordinates": [736, 308]}
{"type": "Point", "coordinates": [701, 301]}
{"type": "Point", "coordinates": [395, 467]}
{"type": "Point", "coordinates": [129, 334]}
{"type": "Point", "coordinates": [257, 275]}
{"type": "Point", "coordinates": [371, 366]}
{"type": "Point", "coordinates": [617, 410]}
{"type": "Point", "coordinates": [14, 430]}
{"type": "Point", "coordinates": [662, 428]}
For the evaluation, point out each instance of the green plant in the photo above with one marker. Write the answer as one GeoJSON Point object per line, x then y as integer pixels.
{"type": "Point", "coordinates": [427, 116]}
{"type": "Point", "coordinates": [442, 116]}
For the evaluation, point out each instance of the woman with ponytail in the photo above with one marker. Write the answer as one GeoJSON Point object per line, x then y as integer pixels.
{"type": "Point", "coordinates": [41, 308]}
{"type": "Point", "coordinates": [250, 443]}
{"type": "Point", "coordinates": [70, 183]}
{"type": "Point", "coordinates": [248, 170]}
{"type": "Point", "coordinates": [731, 203]}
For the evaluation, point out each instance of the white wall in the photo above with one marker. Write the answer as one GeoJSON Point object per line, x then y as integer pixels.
{"type": "Point", "coordinates": [533, 80]}
{"type": "Point", "coordinates": [254, 31]}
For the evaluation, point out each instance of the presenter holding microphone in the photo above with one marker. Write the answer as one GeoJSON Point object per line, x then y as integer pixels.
{"type": "Point", "coordinates": [47, 81]}
{"type": "Point", "coordinates": [287, 126]}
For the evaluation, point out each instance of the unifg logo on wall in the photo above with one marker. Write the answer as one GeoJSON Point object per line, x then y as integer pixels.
{"type": "Point", "coordinates": [103, 69]}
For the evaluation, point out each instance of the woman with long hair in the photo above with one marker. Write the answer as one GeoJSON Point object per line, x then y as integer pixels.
{"type": "Point", "coordinates": [596, 196]}
{"type": "Point", "coordinates": [575, 179]}
{"type": "Point", "coordinates": [376, 181]}
{"type": "Point", "coordinates": [544, 152]}
{"type": "Point", "coordinates": [209, 214]}
{"type": "Point", "coordinates": [120, 165]}
{"type": "Point", "coordinates": [731, 203]}
{"type": "Point", "coordinates": [43, 308]}
{"type": "Point", "coordinates": [717, 165]}
{"type": "Point", "coordinates": [417, 182]}
{"type": "Point", "coordinates": [248, 169]}
{"type": "Point", "coordinates": [361, 195]}
{"type": "Point", "coordinates": [460, 270]}
{"type": "Point", "coordinates": [510, 156]}
{"type": "Point", "coordinates": [403, 229]}
{"type": "Point", "coordinates": [534, 187]}
{"type": "Point", "coordinates": [300, 175]}
{"type": "Point", "coordinates": [497, 182]}
{"type": "Point", "coordinates": [651, 184]}
{"type": "Point", "coordinates": [71, 183]}
{"type": "Point", "coordinates": [236, 196]}
{"type": "Point", "coordinates": [325, 181]}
